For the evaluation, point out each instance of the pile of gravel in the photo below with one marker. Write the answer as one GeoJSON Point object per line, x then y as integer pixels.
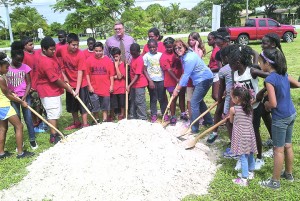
{"type": "Point", "coordinates": [129, 160]}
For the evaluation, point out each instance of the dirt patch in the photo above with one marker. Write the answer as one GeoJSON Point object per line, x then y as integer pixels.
{"type": "Point", "coordinates": [129, 160]}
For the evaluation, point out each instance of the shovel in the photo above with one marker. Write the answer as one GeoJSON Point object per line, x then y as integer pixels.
{"type": "Point", "coordinates": [83, 105]}
{"type": "Point", "coordinates": [126, 93]}
{"type": "Point", "coordinates": [167, 109]}
{"type": "Point", "coordinates": [189, 129]}
{"type": "Point", "coordinates": [45, 121]}
{"type": "Point", "coordinates": [191, 143]}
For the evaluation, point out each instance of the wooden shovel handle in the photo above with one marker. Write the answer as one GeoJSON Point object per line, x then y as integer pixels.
{"type": "Point", "coordinates": [45, 121]}
{"type": "Point", "coordinates": [192, 144]}
{"type": "Point", "coordinates": [83, 105]}
{"type": "Point", "coordinates": [126, 92]}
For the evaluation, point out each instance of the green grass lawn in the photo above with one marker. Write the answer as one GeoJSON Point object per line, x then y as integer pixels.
{"type": "Point", "coordinates": [12, 170]}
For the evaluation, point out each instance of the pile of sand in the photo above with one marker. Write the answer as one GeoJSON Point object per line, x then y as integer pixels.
{"type": "Point", "coordinates": [129, 160]}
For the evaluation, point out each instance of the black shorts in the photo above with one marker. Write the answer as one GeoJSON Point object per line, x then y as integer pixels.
{"type": "Point", "coordinates": [104, 103]}
{"type": "Point", "coordinates": [73, 104]}
{"type": "Point", "coordinates": [95, 102]}
{"type": "Point", "coordinates": [117, 101]}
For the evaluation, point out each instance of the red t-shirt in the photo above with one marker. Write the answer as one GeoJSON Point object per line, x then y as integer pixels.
{"type": "Point", "coordinates": [100, 71]}
{"type": "Point", "coordinates": [170, 61]}
{"type": "Point", "coordinates": [48, 71]}
{"type": "Point", "coordinates": [137, 68]}
{"type": "Point", "coordinates": [120, 85]}
{"type": "Point", "coordinates": [29, 60]}
{"type": "Point", "coordinates": [87, 53]}
{"type": "Point", "coordinates": [160, 48]}
{"type": "Point", "coordinates": [213, 62]}
{"type": "Point", "coordinates": [71, 64]}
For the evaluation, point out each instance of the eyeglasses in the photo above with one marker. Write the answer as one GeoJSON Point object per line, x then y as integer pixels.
{"type": "Point", "coordinates": [177, 48]}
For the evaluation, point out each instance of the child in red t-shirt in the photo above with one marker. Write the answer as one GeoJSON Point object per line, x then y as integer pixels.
{"type": "Point", "coordinates": [172, 68]}
{"type": "Point", "coordinates": [90, 50]}
{"type": "Point", "coordinates": [137, 85]}
{"type": "Point", "coordinates": [117, 99]}
{"type": "Point", "coordinates": [100, 77]}
{"type": "Point", "coordinates": [30, 56]}
{"type": "Point", "coordinates": [50, 84]}
{"type": "Point", "coordinates": [73, 66]}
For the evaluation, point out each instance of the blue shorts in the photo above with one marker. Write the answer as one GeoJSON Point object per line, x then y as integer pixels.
{"type": "Point", "coordinates": [282, 130]}
{"type": "Point", "coordinates": [6, 112]}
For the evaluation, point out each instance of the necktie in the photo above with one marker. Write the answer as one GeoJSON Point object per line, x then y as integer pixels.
{"type": "Point", "coordinates": [122, 48]}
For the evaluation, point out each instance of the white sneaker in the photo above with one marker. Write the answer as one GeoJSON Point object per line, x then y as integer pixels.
{"type": "Point", "coordinates": [33, 145]}
{"type": "Point", "coordinates": [259, 163]}
{"type": "Point", "coordinates": [268, 154]}
{"type": "Point", "coordinates": [238, 165]}
{"type": "Point", "coordinates": [250, 175]}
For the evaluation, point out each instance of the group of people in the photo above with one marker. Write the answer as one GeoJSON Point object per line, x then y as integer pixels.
{"type": "Point", "coordinates": [98, 76]}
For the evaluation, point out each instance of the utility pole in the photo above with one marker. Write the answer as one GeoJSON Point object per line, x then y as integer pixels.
{"type": "Point", "coordinates": [8, 21]}
{"type": "Point", "coordinates": [247, 5]}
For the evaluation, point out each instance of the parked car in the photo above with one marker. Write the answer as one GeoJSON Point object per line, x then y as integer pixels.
{"type": "Point", "coordinates": [256, 28]}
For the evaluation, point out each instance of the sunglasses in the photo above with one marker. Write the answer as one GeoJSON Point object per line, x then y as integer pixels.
{"type": "Point", "coordinates": [177, 48]}
{"type": "Point", "coordinates": [118, 29]}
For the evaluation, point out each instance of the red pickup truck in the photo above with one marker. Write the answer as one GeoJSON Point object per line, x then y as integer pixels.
{"type": "Point", "coordinates": [256, 28]}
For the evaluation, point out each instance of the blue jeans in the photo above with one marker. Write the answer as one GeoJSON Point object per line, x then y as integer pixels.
{"type": "Point", "coordinates": [26, 115]}
{"type": "Point", "coordinates": [248, 164]}
{"type": "Point", "coordinates": [198, 105]}
{"type": "Point", "coordinates": [282, 130]}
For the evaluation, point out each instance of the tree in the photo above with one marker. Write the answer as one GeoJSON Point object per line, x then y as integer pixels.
{"type": "Point", "coordinates": [153, 12]}
{"type": "Point", "coordinates": [272, 5]}
{"type": "Point", "coordinates": [92, 12]}
{"type": "Point", "coordinates": [14, 2]}
{"type": "Point", "coordinates": [27, 20]}
{"type": "Point", "coordinates": [3, 30]}
{"type": "Point", "coordinates": [54, 28]}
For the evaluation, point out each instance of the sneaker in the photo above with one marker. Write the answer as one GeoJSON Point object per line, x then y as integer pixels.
{"type": "Point", "coordinates": [5, 155]}
{"type": "Point", "coordinates": [184, 116]}
{"type": "Point", "coordinates": [259, 163]}
{"type": "Point", "coordinates": [270, 183]}
{"type": "Point", "coordinates": [229, 154]}
{"type": "Point", "coordinates": [120, 117]}
{"type": "Point", "coordinates": [240, 181]}
{"type": "Point", "coordinates": [250, 175]}
{"type": "Point", "coordinates": [109, 119]}
{"type": "Point", "coordinates": [33, 145]}
{"type": "Point", "coordinates": [287, 176]}
{"type": "Point", "coordinates": [85, 125]}
{"type": "Point", "coordinates": [52, 138]}
{"type": "Point", "coordinates": [238, 165]}
{"type": "Point", "coordinates": [268, 143]}
{"type": "Point", "coordinates": [268, 154]}
{"type": "Point", "coordinates": [166, 118]}
{"type": "Point", "coordinates": [173, 121]}
{"type": "Point", "coordinates": [153, 118]}
{"type": "Point", "coordinates": [212, 137]}
{"type": "Point", "coordinates": [39, 129]}
{"type": "Point", "coordinates": [25, 154]}
{"type": "Point", "coordinates": [75, 125]}
{"type": "Point", "coordinates": [57, 138]}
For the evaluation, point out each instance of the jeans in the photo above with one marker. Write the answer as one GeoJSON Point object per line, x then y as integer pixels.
{"type": "Point", "coordinates": [198, 105]}
{"type": "Point", "coordinates": [158, 94]}
{"type": "Point", "coordinates": [248, 164]}
{"type": "Point", "coordinates": [282, 130]}
{"type": "Point", "coordinates": [26, 115]}
{"type": "Point", "coordinates": [138, 103]}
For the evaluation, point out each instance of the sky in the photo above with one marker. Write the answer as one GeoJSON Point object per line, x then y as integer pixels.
{"type": "Point", "coordinates": [44, 8]}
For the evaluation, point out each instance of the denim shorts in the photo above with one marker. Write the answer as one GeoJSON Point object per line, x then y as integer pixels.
{"type": "Point", "coordinates": [282, 130]}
